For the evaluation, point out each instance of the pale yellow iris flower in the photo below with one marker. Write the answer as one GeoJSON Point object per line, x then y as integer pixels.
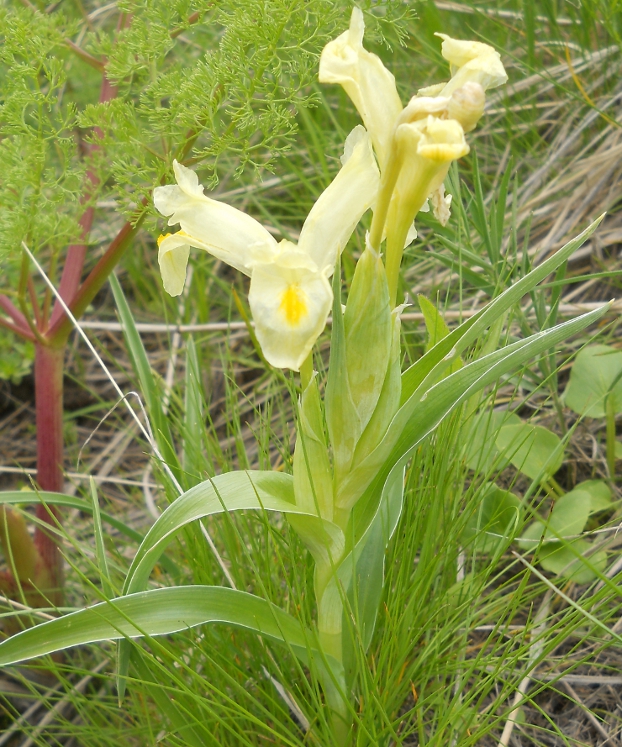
{"type": "Point", "coordinates": [290, 294]}
{"type": "Point", "coordinates": [416, 144]}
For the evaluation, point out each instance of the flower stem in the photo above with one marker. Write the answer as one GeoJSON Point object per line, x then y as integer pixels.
{"type": "Point", "coordinates": [49, 418]}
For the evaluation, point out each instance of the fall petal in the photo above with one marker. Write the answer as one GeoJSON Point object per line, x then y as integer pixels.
{"type": "Point", "coordinates": [290, 306]}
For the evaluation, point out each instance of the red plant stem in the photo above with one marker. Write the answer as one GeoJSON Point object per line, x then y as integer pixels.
{"type": "Point", "coordinates": [20, 321]}
{"type": "Point", "coordinates": [49, 362]}
{"type": "Point", "coordinates": [19, 331]}
{"type": "Point", "coordinates": [95, 280]}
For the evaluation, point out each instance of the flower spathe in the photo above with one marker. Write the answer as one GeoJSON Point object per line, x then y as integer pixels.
{"type": "Point", "coordinates": [290, 294]}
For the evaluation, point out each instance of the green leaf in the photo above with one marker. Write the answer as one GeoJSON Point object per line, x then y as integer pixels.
{"type": "Point", "coordinates": [568, 518]}
{"type": "Point", "coordinates": [342, 419]}
{"type": "Point", "coordinates": [436, 328]}
{"type": "Point", "coordinates": [424, 411]}
{"type": "Point", "coordinates": [561, 559]}
{"type": "Point", "coordinates": [436, 360]}
{"type": "Point", "coordinates": [313, 478]}
{"type": "Point", "coordinates": [148, 385]}
{"type": "Point", "coordinates": [481, 450]}
{"type": "Point", "coordinates": [532, 449]}
{"type": "Point", "coordinates": [491, 528]}
{"type": "Point", "coordinates": [100, 549]}
{"type": "Point", "coordinates": [600, 494]}
{"type": "Point", "coordinates": [364, 562]}
{"type": "Point", "coordinates": [368, 326]}
{"type": "Point", "coordinates": [531, 536]}
{"type": "Point", "coordinates": [569, 515]}
{"type": "Point", "coordinates": [232, 491]}
{"type": "Point", "coordinates": [158, 612]}
{"type": "Point", "coordinates": [595, 375]}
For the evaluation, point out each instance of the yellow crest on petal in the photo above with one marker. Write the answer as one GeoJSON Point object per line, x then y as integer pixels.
{"type": "Point", "coordinates": [293, 304]}
{"type": "Point", "coordinates": [163, 236]}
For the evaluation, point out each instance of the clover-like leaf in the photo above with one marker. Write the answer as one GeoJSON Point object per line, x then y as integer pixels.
{"type": "Point", "coordinates": [568, 518]}
{"type": "Point", "coordinates": [595, 375]}
{"type": "Point", "coordinates": [482, 453]}
{"type": "Point", "coordinates": [569, 515]}
{"type": "Point", "coordinates": [600, 493]}
{"type": "Point", "coordinates": [491, 528]}
{"type": "Point", "coordinates": [532, 449]}
{"type": "Point", "coordinates": [559, 558]}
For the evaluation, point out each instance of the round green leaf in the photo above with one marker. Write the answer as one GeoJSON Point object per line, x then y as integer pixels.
{"type": "Point", "coordinates": [492, 526]}
{"type": "Point", "coordinates": [559, 558]}
{"type": "Point", "coordinates": [593, 374]}
{"type": "Point", "coordinates": [532, 449]}
{"type": "Point", "coordinates": [600, 493]}
{"type": "Point", "coordinates": [531, 536]}
{"type": "Point", "coordinates": [569, 515]}
{"type": "Point", "coordinates": [481, 451]}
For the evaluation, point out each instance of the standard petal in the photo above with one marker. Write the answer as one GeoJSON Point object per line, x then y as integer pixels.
{"type": "Point", "coordinates": [368, 83]}
{"type": "Point", "coordinates": [228, 234]}
{"type": "Point", "coordinates": [187, 180]}
{"type": "Point", "coordinates": [471, 62]}
{"type": "Point", "coordinates": [290, 306]}
{"type": "Point", "coordinates": [339, 208]}
{"type": "Point", "coordinates": [173, 251]}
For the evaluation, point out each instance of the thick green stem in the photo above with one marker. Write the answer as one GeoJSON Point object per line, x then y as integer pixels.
{"type": "Point", "coordinates": [330, 630]}
{"type": "Point", "coordinates": [49, 419]}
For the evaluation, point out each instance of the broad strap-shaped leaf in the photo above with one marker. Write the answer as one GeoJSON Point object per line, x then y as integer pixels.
{"type": "Point", "coordinates": [232, 491]}
{"type": "Point", "coordinates": [420, 415]}
{"type": "Point", "coordinates": [375, 516]}
{"type": "Point", "coordinates": [342, 419]}
{"type": "Point", "coordinates": [447, 350]}
{"type": "Point", "coordinates": [158, 612]}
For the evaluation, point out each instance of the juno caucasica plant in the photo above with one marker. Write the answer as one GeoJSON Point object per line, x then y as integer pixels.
{"type": "Point", "coordinates": [358, 428]}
